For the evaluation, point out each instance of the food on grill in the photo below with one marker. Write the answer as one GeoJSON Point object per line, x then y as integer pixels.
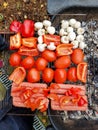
{"type": "Point", "coordinates": [30, 95]}
{"type": "Point", "coordinates": [77, 56]}
{"type": "Point", "coordinates": [51, 38]}
{"type": "Point", "coordinates": [64, 49]}
{"type": "Point", "coordinates": [67, 89]}
{"type": "Point", "coordinates": [25, 51]}
{"type": "Point", "coordinates": [68, 105]}
{"type": "Point", "coordinates": [68, 97]}
{"type": "Point", "coordinates": [18, 75]}
{"type": "Point", "coordinates": [82, 71]}
{"type": "Point", "coordinates": [48, 75]}
{"type": "Point", "coordinates": [41, 63]}
{"type": "Point", "coordinates": [15, 26]}
{"type": "Point", "coordinates": [27, 28]}
{"type": "Point", "coordinates": [15, 59]}
{"type": "Point", "coordinates": [15, 41]}
{"type": "Point", "coordinates": [29, 42]}
{"type": "Point", "coordinates": [33, 75]}
{"type": "Point", "coordinates": [62, 62]}
{"type": "Point", "coordinates": [27, 62]}
{"type": "Point", "coordinates": [50, 56]}
{"type": "Point", "coordinates": [72, 74]}
{"type": "Point", "coordinates": [60, 75]}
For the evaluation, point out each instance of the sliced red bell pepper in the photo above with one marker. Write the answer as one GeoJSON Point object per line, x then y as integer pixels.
{"type": "Point", "coordinates": [53, 97]}
{"type": "Point", "coordinates": [82, 101]}
{"type": "Point", "coordinates": [64, 49]}
{"type": "Point", "coordinates": [28, 51]}
{"type": "Point", "coordinates": [27, 29]}
{"type": "Point", "coordinates": [15, 41]}
{"type": "Point", "coordinates": [15, 26]}
{"type": "Point", "coordinates": [29, 42]}
{"type": "Point", "coordinates": [51, 38]}
{"type": "Point", "coordinates": [18, 75]}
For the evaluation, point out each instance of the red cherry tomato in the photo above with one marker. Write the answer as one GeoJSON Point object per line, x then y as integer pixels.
{"type": "Point", "coordinates": [62, 62]}
{"type": "Point", "coordinates": [77, 56]}
{"type": "Point", "coordinates": [49, 55]}
{"type": "Point", "coordinates": [48, 75]}
{"type": "Point", "coordinates": [28, 62]}
{"type": "Point", "coordinates": [41, 63]}
{"type": "Point", "coordinates": [60, 75]}
{"type": "Point", "coordinates": [72, 74]}
{"type": "Point", "coordinates": [15, 59]}
{"type": "Point", "coordinates": [33, 75]}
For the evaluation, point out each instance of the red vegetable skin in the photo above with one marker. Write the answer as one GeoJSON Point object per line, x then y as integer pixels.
{"type": "Point", "coordinates": [25, 51]}
{"type": "Point", "coordinates": [60, 75]}
{"type": "Point", "coordinates": [15, 26]}
{"type": "Point", "coordinates": [18, 75]}
{"type": "Point", "coordinates": [15, 41]}
{"type": "Point", "coordinates": [30, 42]}
{"type": "Point", "coordinates": [27, 28]}
{"type": "Point", "coordinates": [28, 62]}
{"type": "Point", "coordinates": [51, 38]}
{"type": "Point", "coordinates": [15, 59]}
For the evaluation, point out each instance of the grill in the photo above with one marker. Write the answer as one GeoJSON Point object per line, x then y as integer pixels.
{"type": "Point", "coordinates": [82, 120]}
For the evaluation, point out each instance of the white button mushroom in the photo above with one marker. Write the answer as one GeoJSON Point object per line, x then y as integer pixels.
{"type": "Point", "coordinates": [82, 45]}
{"type": "Point", "coordinates": [72, 22]}
{"type": "Point", "coordinates": [72, 36]}
{"type": "Point", "coordinates": [41, 47]}
{"type": "Point", "coordinates": [40, 39]}
{"type": "Point", "coordinates": [38, 25]}
{"type": "Point", "coordinates": [51, 46]}
{"type": "Point", "coordinates": [51, 30]}
{"type": "Point", "coordinates": [41, 32]}
{"type": "Point", "coordinates": [80, 38]}
{"type": "Point", "coordinates": [75, 44]}
{"type": "Point", "coordinates": [65, 39]}
{"type": "Point", "coordinates": [77, 24]}
{"type": "Point", "coordinates": [70, 29]}
{"type": "Point", "coordinates": [64, 24]}
{"type": "Point", "coordinates": [80, 31]}
{"type": "Point", "coordinates": [47, 23]}
{"type": "Point", "coordinates": [62, 32]}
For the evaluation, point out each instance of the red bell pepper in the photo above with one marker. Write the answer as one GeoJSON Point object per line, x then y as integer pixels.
{"type": "Point", "coordinates": [15, 41]}
{"type": "Point", "coordinates": [51, 38]}
{"type": "Point", "coordinates": [27, 29]}
{"type": "Point", "coordinates": [82, 101]}
{"type": "Point", "coordinates": [29, 42]}
{"type": "Point", "coordinates": [15, 26]}
{"type": "Point", "coordinates": [28, 51]}
{"type": "Point", "coordinates": [64, 49]}
{"type": "Point", "coordinates": [18, 75]}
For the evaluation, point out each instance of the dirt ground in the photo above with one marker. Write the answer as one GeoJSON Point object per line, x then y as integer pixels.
{"type": "Point", "coordinates": [20, 10]}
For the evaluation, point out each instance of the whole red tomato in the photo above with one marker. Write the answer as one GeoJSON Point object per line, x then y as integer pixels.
{"type": "Point", "coordinates": [77, 56]}
{"type": "Point", "coordinates": [33, 75]}
{"type": "Point", "coordinates": [27, 28]}
{"type": "Point", "coordinates": [15, 59]}
{"type": "Point", "coordinates": [28, 62]}
{"type": "Point", "coordinates": [72, 74]}
{"type": "Point", "coordinates": [48, 75]}
{"type": "Point", "coordinates": [49, 55]}
{"type": "Point", "coordinates": [41, 63]}
{"type": "Point", "coordinates": [62, 62]}
{"type": "Point", "coordinates": [60, 75]}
